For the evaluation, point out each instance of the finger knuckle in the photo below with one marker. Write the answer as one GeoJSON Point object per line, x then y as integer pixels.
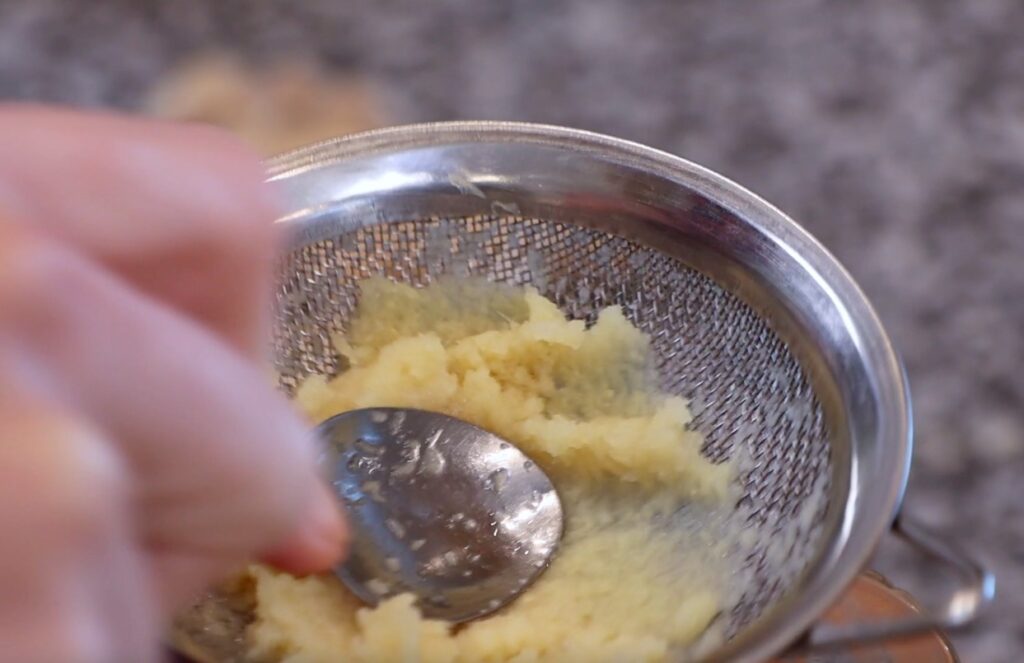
{"type": "Point", "coordinates": [85, 483]}
{"type": "Point", "coordinates": [245, 221]}
{"type": "Point", "coordinates": [33, 274]}
{"type": "Point", "coordinates": [74, 639]}
{"type": "Point", "coordinates": [69, 480]}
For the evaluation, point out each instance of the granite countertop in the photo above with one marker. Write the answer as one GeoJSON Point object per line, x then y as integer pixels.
{"type": "Point", "coordinates": [893, 131]}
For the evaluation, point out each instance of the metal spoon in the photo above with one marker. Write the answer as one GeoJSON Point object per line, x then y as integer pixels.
{"type": "Point", "coordinates": [439, 508]}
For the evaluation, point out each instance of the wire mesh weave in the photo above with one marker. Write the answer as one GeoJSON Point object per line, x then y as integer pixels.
{"type": "Point", "coordinates": [748, 393]}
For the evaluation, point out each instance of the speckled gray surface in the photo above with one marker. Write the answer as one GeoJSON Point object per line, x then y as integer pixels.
{"type": "Point", "coordinates": [893, 130]}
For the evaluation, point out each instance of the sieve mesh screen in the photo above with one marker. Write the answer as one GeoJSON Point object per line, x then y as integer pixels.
{"type": "Point", "coordinates": [750, 397]}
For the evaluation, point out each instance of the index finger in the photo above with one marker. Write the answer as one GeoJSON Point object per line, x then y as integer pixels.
{"type": "Point", "coordinates": [182, 212]}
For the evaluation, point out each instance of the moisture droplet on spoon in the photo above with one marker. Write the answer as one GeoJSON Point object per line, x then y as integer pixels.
{"type": "Point", "coordinates": [397, 419]}
{"type": "Point", "coordinates": [438, 600]}
{"type": "Point", "coordinates": [378, 586]}
{"type": "Point", "coordinates": [432, 462]}
{"type": "Point", "coordinates": [373, 489]}
{"type": "Point", "coordinates": [368, 448]}
{"type": "Point", "coordinates": [410, 460]}
{"type": "Point", "coordinates": [353, 463]}
{"type": "Point", "coordinates": [395, 528]}
{"type": "Point", "coordinates": [498, 479]}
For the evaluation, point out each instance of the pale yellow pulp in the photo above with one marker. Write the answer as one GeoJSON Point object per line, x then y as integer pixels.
{"type": "Point", "coordinates": [583, 403]}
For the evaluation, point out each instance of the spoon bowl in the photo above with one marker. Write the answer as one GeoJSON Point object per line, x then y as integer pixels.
{"type": "Point", "coordinates": [438, 508]}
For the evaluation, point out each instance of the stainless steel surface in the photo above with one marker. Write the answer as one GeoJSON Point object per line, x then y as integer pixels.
{"type": "Point", "coordinates": [751, 319]}
{"type": "Point", "coordinates": [439, 508]}
{"type": "Point", "coordinates": [785, 364]}
{"type": "Point", "coordinates": [974, 588]}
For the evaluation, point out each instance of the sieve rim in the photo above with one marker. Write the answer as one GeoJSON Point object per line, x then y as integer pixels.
{"type": "Point", "coordinates": [872, 343]}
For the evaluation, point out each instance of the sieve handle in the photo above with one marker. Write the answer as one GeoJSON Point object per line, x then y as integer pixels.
{"type": "Point", "coordinates": [975, 588]}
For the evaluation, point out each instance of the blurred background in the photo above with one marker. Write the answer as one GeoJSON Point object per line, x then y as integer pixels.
{"type": "Point", "coordinates": [894, 131]}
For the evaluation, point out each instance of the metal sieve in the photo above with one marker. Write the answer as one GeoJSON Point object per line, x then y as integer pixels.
{"type": "Point", "coordinates": [781, 357]}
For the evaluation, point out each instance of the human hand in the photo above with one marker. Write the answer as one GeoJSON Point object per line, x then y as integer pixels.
{"type": "Point", "coordinates": [143, 452]}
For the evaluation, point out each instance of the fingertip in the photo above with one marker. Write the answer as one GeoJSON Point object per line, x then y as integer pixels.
{"type": "Point", "coordinates": [319, 542]}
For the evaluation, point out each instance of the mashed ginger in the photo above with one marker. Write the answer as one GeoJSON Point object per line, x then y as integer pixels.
{"type": "Point", "coordinates": [625, 585]}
